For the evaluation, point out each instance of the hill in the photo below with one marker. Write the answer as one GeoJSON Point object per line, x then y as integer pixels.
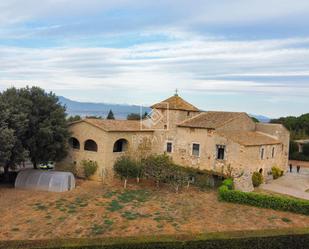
{"type": "Point", "coordinates": [120, 110]}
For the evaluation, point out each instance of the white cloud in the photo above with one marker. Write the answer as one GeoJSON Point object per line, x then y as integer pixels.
{"type": "Point", "coordinates": [196, 64]}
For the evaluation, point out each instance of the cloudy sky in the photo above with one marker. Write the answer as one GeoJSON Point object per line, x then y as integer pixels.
{"type": "Point", "coordinates": [240, 55]}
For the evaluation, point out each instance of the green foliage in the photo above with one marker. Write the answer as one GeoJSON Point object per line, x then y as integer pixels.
{"type": "Point", "coordinates": [264, 201]}
{"type": "Point", "coordinates": [89, 167]}
{"type": "Point", "coordinates": [255, 120]}
{"type": "Point", "coordinates": [134, 116]}
{"type": "Point", "coordinates": [257, 179]}
{"type": "Point", "coordinates": [276, 172]}
{"type": "Point", "coordinates": [126, 167]}
{"type": "Point", "coordinates": [47, 129]}
{"type": "Point", "coordinates": [298, 126]}
{"type": "Point", "coordinates": [74, 118]}
{"type": "Point", "coordinates": [13, 129]}
{"type": "Point", "coordinates": [261, 239]}
{"type": "Point", "coordinates": [110, 115]}
{"type": "Point", "coordinates": [306, 149]}
{"type": "Point", "coordinates": [229, 183]}
{"type": "Point", "coordinates": [293, 147]}
{"type": "Point", "coordinates": [299, 156]}
{"type": "Point", "coordinates": [155, 167]}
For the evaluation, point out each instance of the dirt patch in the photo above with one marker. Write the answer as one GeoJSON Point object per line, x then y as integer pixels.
{"type": "Point", "coordinates": [96, 210]}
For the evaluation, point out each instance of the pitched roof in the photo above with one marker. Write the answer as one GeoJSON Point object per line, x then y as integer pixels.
{"type": "Point", "coordinates": [210, 119]}
{"type": "Point", "coordinates": [249, 138]}
{"type": "Point", "coordinates": [115, 125]}
{"type": "Point", "coordinates": [175, 103]}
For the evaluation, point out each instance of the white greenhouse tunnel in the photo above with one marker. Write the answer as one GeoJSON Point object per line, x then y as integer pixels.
{"type": "Point", "coordinates": [53, 181]}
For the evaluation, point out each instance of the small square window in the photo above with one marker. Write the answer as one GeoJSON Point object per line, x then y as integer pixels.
{"type": "Point", "coordinates": [169, 147]}
{"type": "Point", "coordinates": [220, 152]}
{"type": "Point", "coordinates": [195, 149]}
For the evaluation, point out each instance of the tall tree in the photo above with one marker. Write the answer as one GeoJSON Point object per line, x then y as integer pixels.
{"type": "Point", "coordinates": [13, 123]}
{"type": "Point", "coordinates": [47, 131]}
{"type": "Point", "coordinates": [110, 115]}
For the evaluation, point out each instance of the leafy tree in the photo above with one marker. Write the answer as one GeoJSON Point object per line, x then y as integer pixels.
{"type": "Point", "coordinates": [134, 116]}
{"type": "Point", "coordinates": [13, 123]}
{"type": "Point", "coordinates": [74, 118]}
{"type": "Point", "coordinates": [126, 168]}
{"type": "Point", "coordinates": [89, 167]}
{"type": "Point", "coordinates": [110, 115]}
{"type": "Point", "coordinates": [298, 126]}
{"type": "Point", "coordinates": [47, 130]}
{"type": "Point", "coordinates": [155, 166]}
{"type": "Point", "coordinates": [306, 149]}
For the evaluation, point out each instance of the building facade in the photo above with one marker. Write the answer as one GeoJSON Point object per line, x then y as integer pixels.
{"type": "Point", "coordinates": [216, 141]}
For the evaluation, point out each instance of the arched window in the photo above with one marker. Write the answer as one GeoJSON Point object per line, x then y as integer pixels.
{"type": "Point", "coordinates": [90, 145]}
{"type": "Point", "coordinates": [74, 143]}
{"type": "Point", "coordinates": [120, 145]}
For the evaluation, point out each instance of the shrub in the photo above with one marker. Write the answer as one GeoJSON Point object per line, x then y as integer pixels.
{"type": "Point", "coordinates": [276, 172]}
{"type": "Point", "coordinates": [229, 183]}
{"type": "Point", "coordinates": [257, 179]}
{"type": "Point", "coordinates": [89, 167]}
{"type": "Point", "coordinates": [264, 201]}
{"type": "Point", "coordinates": [126, 168]}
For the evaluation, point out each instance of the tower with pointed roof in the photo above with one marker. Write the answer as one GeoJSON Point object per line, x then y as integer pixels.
{"type": "Point", "coordinates": [172, 111]}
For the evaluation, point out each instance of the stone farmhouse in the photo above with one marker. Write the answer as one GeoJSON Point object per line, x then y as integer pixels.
{"type": "Point", "coordinates": [208, 140]}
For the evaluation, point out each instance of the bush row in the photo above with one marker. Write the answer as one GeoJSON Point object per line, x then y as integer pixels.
{"type": "Point", "coordinates": [264, 201]}
{"type": "Point", "coordinates": [161, 169]}
{"type": "Point", "coordinates": [267, 239]}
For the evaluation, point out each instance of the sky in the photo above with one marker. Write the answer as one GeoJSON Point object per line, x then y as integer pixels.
{"type": "Point", "coordinates": [240, 55]}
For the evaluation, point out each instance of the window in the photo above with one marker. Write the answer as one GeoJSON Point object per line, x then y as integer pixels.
{"type": "Point", "coordinates": [74, 143]}
{"type": "Point", "coordinates": [90, 145]}
{"type": "Point", "coordinates": [220, 152]}
{"type": "Point", "coordinates": [262, 153]}
{"type": "Point", "coordinates": [273, 152]}
{"type": "Point", "coordinates": [188, 114]}
{"type": "Point", "coordinates": [169, 147]}
{"type": "Point", "coordinates": [120, 145]}
{"type": "Point", "coordinates": [195, 149]}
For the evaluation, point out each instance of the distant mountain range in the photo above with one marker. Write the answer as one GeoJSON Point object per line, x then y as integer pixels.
{"type": "Point", "coordinates": [120, 110]}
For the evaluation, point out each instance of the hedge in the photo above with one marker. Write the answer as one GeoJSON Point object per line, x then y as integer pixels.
{"type": "Point", "coordinates": [261, 239]}
{"type": "Point", "coordinates": [264, 201]}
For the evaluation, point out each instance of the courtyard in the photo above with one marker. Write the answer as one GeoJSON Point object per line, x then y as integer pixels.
{"type": "Point", "coordinates": [292, 184]}
{"type": "Point", "coordinates": [96, 210]}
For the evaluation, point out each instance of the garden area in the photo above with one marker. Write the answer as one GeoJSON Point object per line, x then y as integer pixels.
{"type": "Point", "coordinates": [96, 210]}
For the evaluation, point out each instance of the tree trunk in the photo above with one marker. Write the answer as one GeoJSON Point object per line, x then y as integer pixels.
{"type": "Point", "coordinates": [35, 166]}
{"type": "Point", "coordinates": [137, 179]}
{"type": "Point", "coordinates": [125, 183]}
{"type": "Point", "coordinates": [188, 184]}
{"type": "Point", "coordinates": [6, 173]}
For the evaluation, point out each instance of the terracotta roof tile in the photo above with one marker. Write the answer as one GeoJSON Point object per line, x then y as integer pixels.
{"type": "Point", "coordinates": [249, 138]}
{"type": "Point", "coordinates": [210, 119]}
{"type": "Point", "coordinates": [175, 103]}
{"type": "Point", "coordinates": [115, 125]}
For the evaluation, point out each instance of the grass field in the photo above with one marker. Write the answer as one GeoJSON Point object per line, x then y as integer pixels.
{"type": "Point", "coordinates": [96, 210]}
